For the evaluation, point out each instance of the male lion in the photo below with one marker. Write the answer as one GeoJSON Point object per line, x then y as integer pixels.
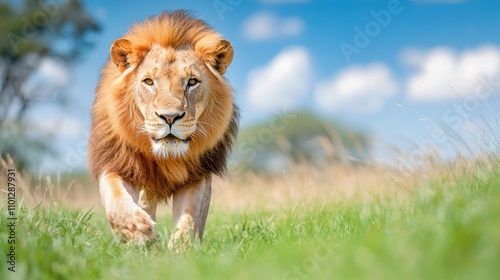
{"type": "Point", "coordinates": [163, 121]}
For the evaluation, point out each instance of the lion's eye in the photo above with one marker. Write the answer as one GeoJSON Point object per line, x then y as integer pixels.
{"type": "Point", "coordinates": [148, 81]}
{"type": "Point", "coordinates": [192, 82]}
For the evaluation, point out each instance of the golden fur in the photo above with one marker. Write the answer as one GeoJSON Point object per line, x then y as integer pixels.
{"type": "Point", "coordinates": [119, 143]}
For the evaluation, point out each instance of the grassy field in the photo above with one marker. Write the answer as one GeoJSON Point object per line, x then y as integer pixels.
{"type": "Point", "coordinates": [439, 225]}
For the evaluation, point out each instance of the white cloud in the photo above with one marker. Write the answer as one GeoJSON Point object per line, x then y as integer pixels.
{"type": "Point", "coordinates": [443, 74]}
{"type": "Point", "coordinates": [50, 75]}
{"type": "Point", "coordinates": [357, 88]}
{"type": "Point", "coordinates": [283, 1]}
{"type": "Point", "coordinates": [267, 25]}
{"type": "Point", "coordinates": [53, 72]}
{"type": "Point", "coordinates": [283, 82]}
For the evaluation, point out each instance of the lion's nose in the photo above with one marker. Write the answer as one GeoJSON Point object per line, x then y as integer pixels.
{"type": "Point", "coordinates": [171, 117]}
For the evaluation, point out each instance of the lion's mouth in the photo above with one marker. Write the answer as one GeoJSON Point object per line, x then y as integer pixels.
{"type": "Point", "coordinates": [170, 138]}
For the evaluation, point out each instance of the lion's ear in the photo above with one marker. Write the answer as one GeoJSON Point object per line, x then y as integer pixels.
{"type": "Point", "coordinates": [223, 56]}
{"type": "Point", "coordinates": [119, 51]}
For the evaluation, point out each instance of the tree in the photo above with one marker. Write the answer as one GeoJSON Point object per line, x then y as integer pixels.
{"type": "Point", "coordinates": [300, 137]}
{"type": "Point", "coordinates": [35, 32]}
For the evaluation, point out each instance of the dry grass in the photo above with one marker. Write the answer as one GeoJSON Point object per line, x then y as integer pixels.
{"type": "Point", "coordinates": [302, 184]}
{"type": "Point", "coordinates": [50, 190]}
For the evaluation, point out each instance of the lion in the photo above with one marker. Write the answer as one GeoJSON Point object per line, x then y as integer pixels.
{"type": "Point", "coordinates": [163, 123]}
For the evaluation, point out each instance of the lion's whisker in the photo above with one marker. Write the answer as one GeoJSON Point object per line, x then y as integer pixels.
{"type": "Point", "coordinates": [200, 130]}
{"type": "Point", "coordinates": [141, 129]}
{"type": "Point", "coordinates": [206, 123]}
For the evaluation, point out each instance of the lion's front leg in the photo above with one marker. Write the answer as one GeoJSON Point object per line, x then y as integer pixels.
{"type": "Point", "coordinates": [129, 212]}
{"type": "Point", "coordinates": [190, 210]}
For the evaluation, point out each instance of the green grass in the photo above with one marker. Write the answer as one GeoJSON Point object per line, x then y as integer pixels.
{"type": "Point", "coordinates": [446, 228]}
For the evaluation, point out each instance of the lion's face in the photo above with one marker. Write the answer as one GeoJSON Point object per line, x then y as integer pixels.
{"type": "Point", "coordinates": [171, 93]}
{"type": "Point", "coordinates": [173, 88]}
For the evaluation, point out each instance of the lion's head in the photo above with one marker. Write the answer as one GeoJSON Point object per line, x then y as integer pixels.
{"type": "Point", "coordinates": [172, 85]}
{"type": "Point", "coordinates": [163, 101]}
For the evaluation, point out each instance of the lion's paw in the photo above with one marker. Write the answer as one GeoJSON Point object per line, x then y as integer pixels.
{"type": "Point", "coordinates": [182, 237]}
{"type": "Point", "coordinates": [133, 224]}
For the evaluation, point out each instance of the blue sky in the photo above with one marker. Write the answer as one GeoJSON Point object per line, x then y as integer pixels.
{"type": "Point", "coordinates": [394, 68]}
